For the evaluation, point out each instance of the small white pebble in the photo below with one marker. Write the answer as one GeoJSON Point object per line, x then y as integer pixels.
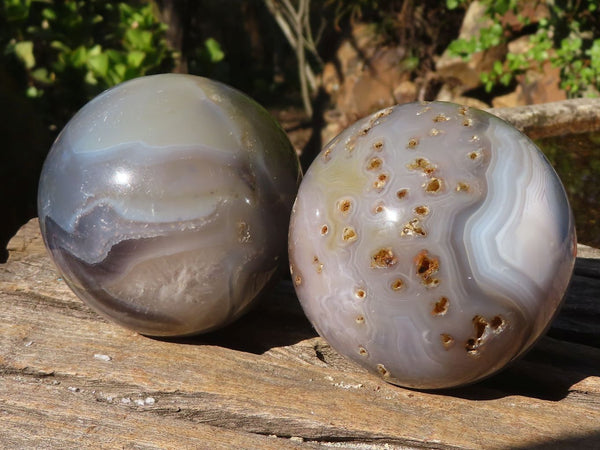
{"type": "Point", "coordinates": [149, 401]}
{"type": "Point", "coordinates": [139, 402]}
{"type": "Point", "coordinates": [73, 389]}
{"type": "Point", "coordinates": [28, 344]}
{"type": "Point", "coordinates": [125, 400]}
{"type": "Point", "coordinates": [102, 357]}
{"type": "Point", "coordinates": [296, 439]}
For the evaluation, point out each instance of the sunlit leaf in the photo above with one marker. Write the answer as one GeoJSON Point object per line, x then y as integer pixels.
{"type": "Point", "coordinates": [24, 51]}
{"type": "Point", "coordinates": [139, 39]}
{"type": "Point", "coordinates": [78, 56]}
{"type": "Point", "coordinates": [135, 58]}
{"type": "Point", "coordinates": [213, 48]}
{"type": "Point", "coordinates": [99, 64]}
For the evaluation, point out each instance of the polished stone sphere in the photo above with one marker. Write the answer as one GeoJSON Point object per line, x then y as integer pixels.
{"type": "Point", "coordinates": [165, 203]}
{"type": "Point", "coordinates": [431, 243]}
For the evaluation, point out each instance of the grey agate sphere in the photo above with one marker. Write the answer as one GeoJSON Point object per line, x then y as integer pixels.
{"type": "Point", "coordinates": [165, 202]}
{"type": "Point", "coordinates": [431, 243]}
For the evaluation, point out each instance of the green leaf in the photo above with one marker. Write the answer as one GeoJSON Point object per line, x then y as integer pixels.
{"type": "Point", "coordinates": [61, 46]}
{"type": "Point", "coordinates": [48, 14]}
{"type": "Point", "coordinates": [24, 51]}
{"type": "Point", "coordinates": [451, 4]}
{"type": "Point", "coordinates": [135, 58]}
{"type": "Point", "coordinates": [215, 54]}
{"type": "Point", "coordinates": [117, 73]}
{"type": "Point", "coordinates": [95, 50]}
{"type": "Point", "coordinates": [139, 39]}
{"type": "Point", "coordinates": [78, 57]}
{"type": "Point", "coordinates": [41, 75]}
{"type": "Point", "coordinates": [15, 10]}
{"type": "Point", "coordinates": [98, 64]}
{"type": "Point", "coordinates": [33, 92]}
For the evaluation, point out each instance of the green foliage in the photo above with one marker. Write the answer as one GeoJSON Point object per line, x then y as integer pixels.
{"type": "Point", "coordinates": [568, 37]}
{"type": "Point", "coordinates": [67, 51]}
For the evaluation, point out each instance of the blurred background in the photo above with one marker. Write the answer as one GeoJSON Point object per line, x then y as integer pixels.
{"type": "Point", "coordinates": [317, 66]}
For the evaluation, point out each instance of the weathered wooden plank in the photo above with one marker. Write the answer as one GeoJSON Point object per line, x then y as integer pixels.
{"type": "Point", "coordinates": [581, 115]}
{"type": "Point", "coordinates": [48, 412]}
{"type": "Point", "coordinates": [69, 378]}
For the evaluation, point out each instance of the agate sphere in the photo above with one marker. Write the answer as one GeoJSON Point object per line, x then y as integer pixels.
{"type": "Point", "coordinates": [165, 203]}
{"type": "Point", "coordinates": [431, 243]}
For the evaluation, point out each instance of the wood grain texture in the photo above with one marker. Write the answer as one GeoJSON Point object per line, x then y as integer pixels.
{"type": "Point", "coordinates": [69, 379]}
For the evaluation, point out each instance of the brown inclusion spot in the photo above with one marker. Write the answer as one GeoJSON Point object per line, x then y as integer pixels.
{"type": "Point", "coordinates": [397, 284]}
{"type": "Point", "coordinates": [433, 186]}
{"type": "Point", "coordinates": [383, 259]}
{"type": "Point", "coordinates": [382, 370]}
{"type": "Point", "coordinates": [462, 186]}
{"type": "Point", "coordinates": [374, 163]}
{"type": "Point", "coordinates": [421, 210]}
{"type": "Point", "coordinates": [426, 267]}
{"type": "Point", "coordinates": [380, 182]}
{"type": "Point", "coordinates": [244, 235]}
{"type": "Point", "coordinates": [412, 143]}
{"type": "Point", "coordinates": [463, 110]}
{"type": "Point", "coordinates": [378, 208]}
{"type": "Point", "coordinates": [423, 165]}
{"type": "Point", "coordinates": [434, 132]}
{"type": "Point", "coordinates": [413, 228]}
{"type": "Point", "coordinates": [447, 340]}
{"type": "Point", "coordinates": [360, 319]}
{"type": "Point", "coordinates": [363, 351]}
{"type": "Point", "coordinates": [351, 143]}
{"type": "Point", "coordinates": [441, 306]}
{"type": "Point", "coordinates": [324, 230]}
{"type": "Point", "coordinates": [474, 155]}
{"type": "Point", "coordinates": [360, 293]}
{"type": "Point", "coordinates": [498, 323]}
{"type": "Point", "coordinates": [441, 118]}
{"type": "Point", "coordinates": [481, 325]}
{"type": "Point", "coordinates": [402, 193]}
{"type": "Point", "coordinates": [468, 122]}
{"type": "Point", "coordinates": [318, 264]}
{"type": "Point", "coordinates": [349, 234]}
{"type": "Point", "coordinates": [378, 145]}
{"type": "Point", "coordinates": [384, 112]}
{"type": "Point", "coordinates": [345, 206]}
{"type": "Point", "coordinates": [298, 280]}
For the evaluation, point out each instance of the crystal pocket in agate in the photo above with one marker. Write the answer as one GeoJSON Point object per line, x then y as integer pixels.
{"type": "Point", "coordinates": [165, 203]}
{"type": "Point", "coordinates": [431, 243]}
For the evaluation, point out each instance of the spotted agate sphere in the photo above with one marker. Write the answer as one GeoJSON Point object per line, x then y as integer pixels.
{"type": "Point", "coordinates": [431, 243]}
{"type": "Point", "coordinates": [165, 203]}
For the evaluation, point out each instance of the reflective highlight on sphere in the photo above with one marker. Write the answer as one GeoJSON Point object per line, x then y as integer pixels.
{"type": "Point", "coordinates": [431, 243]}
{"type": "Point", "coordinates": [165, 203]}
